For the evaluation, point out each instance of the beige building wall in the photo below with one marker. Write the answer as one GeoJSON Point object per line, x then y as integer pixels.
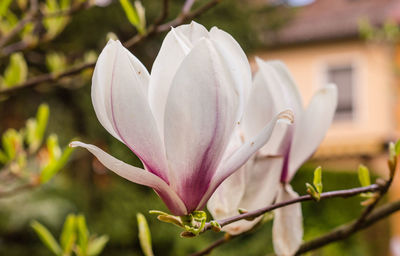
{"type": "Point", "coordinates": [375, 94]}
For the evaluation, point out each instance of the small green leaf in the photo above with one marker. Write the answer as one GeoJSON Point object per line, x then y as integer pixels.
{"type": "Point", "coordinates": [312, 192]}
{"type": "Point", "coordinates": [4, 4]}
{"type": "Point", "coordinates": [363, 175]}
{"type": "Point", "coordinates": [83, 233]}
{"type": "Point", "coordinates": [56, 62]}
{"type": "Point", "coordinates": [46, 237]}
{"type": "Point", "coordinates": [37, 127]}
{"type": "Point", "coordinates": [42, 117]}
{"type": "Point", "coordinates": [68, 235]}
{"type": "Point", "coordinates": [17, 70]}
{"type": "Point", "coordinates": [137, 21]}
{"type": "Point", "coordinates": [397, 148]}
{"type": "Point", "coordinates": [55, 166]}
{"type": "Point", "coordinates": [170, 219]}
{"type": "Point", "coordinates": [96, 246]}
{"type": "Point", "coordinates": [130, 12]}
{"type": "Point", "coordinates": [215, 226]}
{"type": "Point", "coordinates": [318, 179]}
{"type": "Point", "coordinates": [12, 142]}
{"type": "Point", "coordinates": [141, 12]}
{"type": "Point", "coordinates": [144, 235]}
{"type": "Point", "coordinates": [3, 158]}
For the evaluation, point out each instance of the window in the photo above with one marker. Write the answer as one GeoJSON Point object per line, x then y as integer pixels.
{"type": "Point", "coordinates": [342, 76]}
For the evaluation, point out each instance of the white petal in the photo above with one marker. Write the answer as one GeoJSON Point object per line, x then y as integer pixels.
{"type": "Point", "coordinates": [137, 175]}
{"type": "Point", "coordinates": [199, 120]}
{"type": "Point", "coordinates": [287, 229]}
{"type": "Point", "coordinates": [192, 33]}
{"type": "Point", "coordinates": [131, 116]}
{"type": "Point", "coordinates": [284, 91]}
{"type": "Point", "coordinates": [260, 108]}
{"type": "Point", "coordinates": [225, 201]}
{"type": "Point", "coordinates": [312, 127]}
{"type": "Point", "coordinates": [262, 183]}
{"type": "Point", "coordinates": [234, 57]}
{"type": "Point", "coordinates": [176, 45]}
{"type": "Point", "coordinates": [101, 83]}
{"type": "Point", "coordinates": [242, 154]}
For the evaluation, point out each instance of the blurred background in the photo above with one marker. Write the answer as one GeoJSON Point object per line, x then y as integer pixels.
{"type": "Point", "coordinates": [353, 43]}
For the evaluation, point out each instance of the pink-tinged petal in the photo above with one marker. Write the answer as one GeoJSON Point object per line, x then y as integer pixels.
{"type": "Point", "coordinates": [234, 57]}
{"type": "Point", "coordinates": [243, 153]}
{"type": "Point", "coordinates": [131, 116]}
{"type": "Point", "coordinates": [262, 183]}
{"type": "Point", "coordinates": [139, 176]}
{"type": "Point", "coordinates": [312, 126]}
{"type": "Point", "coordinates": [176, 45]}
{"type": "Point", "coordinates": [199, 120]}
{"type": "Point", "coordinates": [225, 201]}
{"type": "Point", "coordinates": [287, 229]}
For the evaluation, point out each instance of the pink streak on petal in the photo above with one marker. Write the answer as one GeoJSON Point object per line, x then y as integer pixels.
{"type": "Point", "coordinates": [150, 166]}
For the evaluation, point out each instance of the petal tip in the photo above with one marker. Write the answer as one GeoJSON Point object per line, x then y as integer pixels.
{"type": "Point", "coordinates": [74, 144]}
{"type": "Point", "coordinates": [286, 115]}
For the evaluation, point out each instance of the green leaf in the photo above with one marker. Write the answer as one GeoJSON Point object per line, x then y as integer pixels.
{"type": "Point", "coordinates": [363, 175]}
{"type": "Point", "coordinates": [68, 235]}
{"type": "Point", "coordinates": [3, 158]}
{"type": "Point", "coordinates": [55, 166]}
{"type": "Point", "coordinates": [4, 4]}
{"type": "Point", "coordinates": [12, 142]}
{"type": "Point", "coordinates": [141, 12]}
{"type": "Point", "coordinates": [56, 62]}
{"type": "Point", "coordinates": [17, 70]}
{"type": "Point", "coordinates": [318, 179]}
{"type": "Point", "coordinates": [35, 128]}
{"type": "Point", "coordinates": [137, 21]}
{"type": "Point", "coordinates": [144, 235]}
{"type": "Point", "coordinates": [397, 147]}
{"type": "Point", "coordinates": [312, 192]}
{"type": "Point", "coordinates": [46, 237]}
{"type": "Point", "coordinates": [83, 233]}
{"type": "Point", "coordinates": [42, 118]}
{"type": "Point", "coordinates": [96, 246]}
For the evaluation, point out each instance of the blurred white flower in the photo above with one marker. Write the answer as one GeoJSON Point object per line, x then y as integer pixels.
{"type": "Point", "coordinates": [267, 175]}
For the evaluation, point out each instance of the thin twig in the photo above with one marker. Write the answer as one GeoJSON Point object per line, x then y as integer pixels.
{"type": "Point", "coordinates": [46, 78]}
{"type": "Point", "coordinates": [253, 214]}
{"type": "Point", "coordinates": [347, 230]}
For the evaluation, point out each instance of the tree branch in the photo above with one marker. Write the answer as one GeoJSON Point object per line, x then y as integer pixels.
{"type": "Point", "coordinates": [253, 214]}
{"type": "Point", "coordinates": [347, 230]}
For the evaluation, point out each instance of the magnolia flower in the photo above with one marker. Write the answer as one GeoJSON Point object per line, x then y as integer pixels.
{"type": "Point", "coordinates": [179, 120]}
{"type": "Point", "coordinates": [266, 176]}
